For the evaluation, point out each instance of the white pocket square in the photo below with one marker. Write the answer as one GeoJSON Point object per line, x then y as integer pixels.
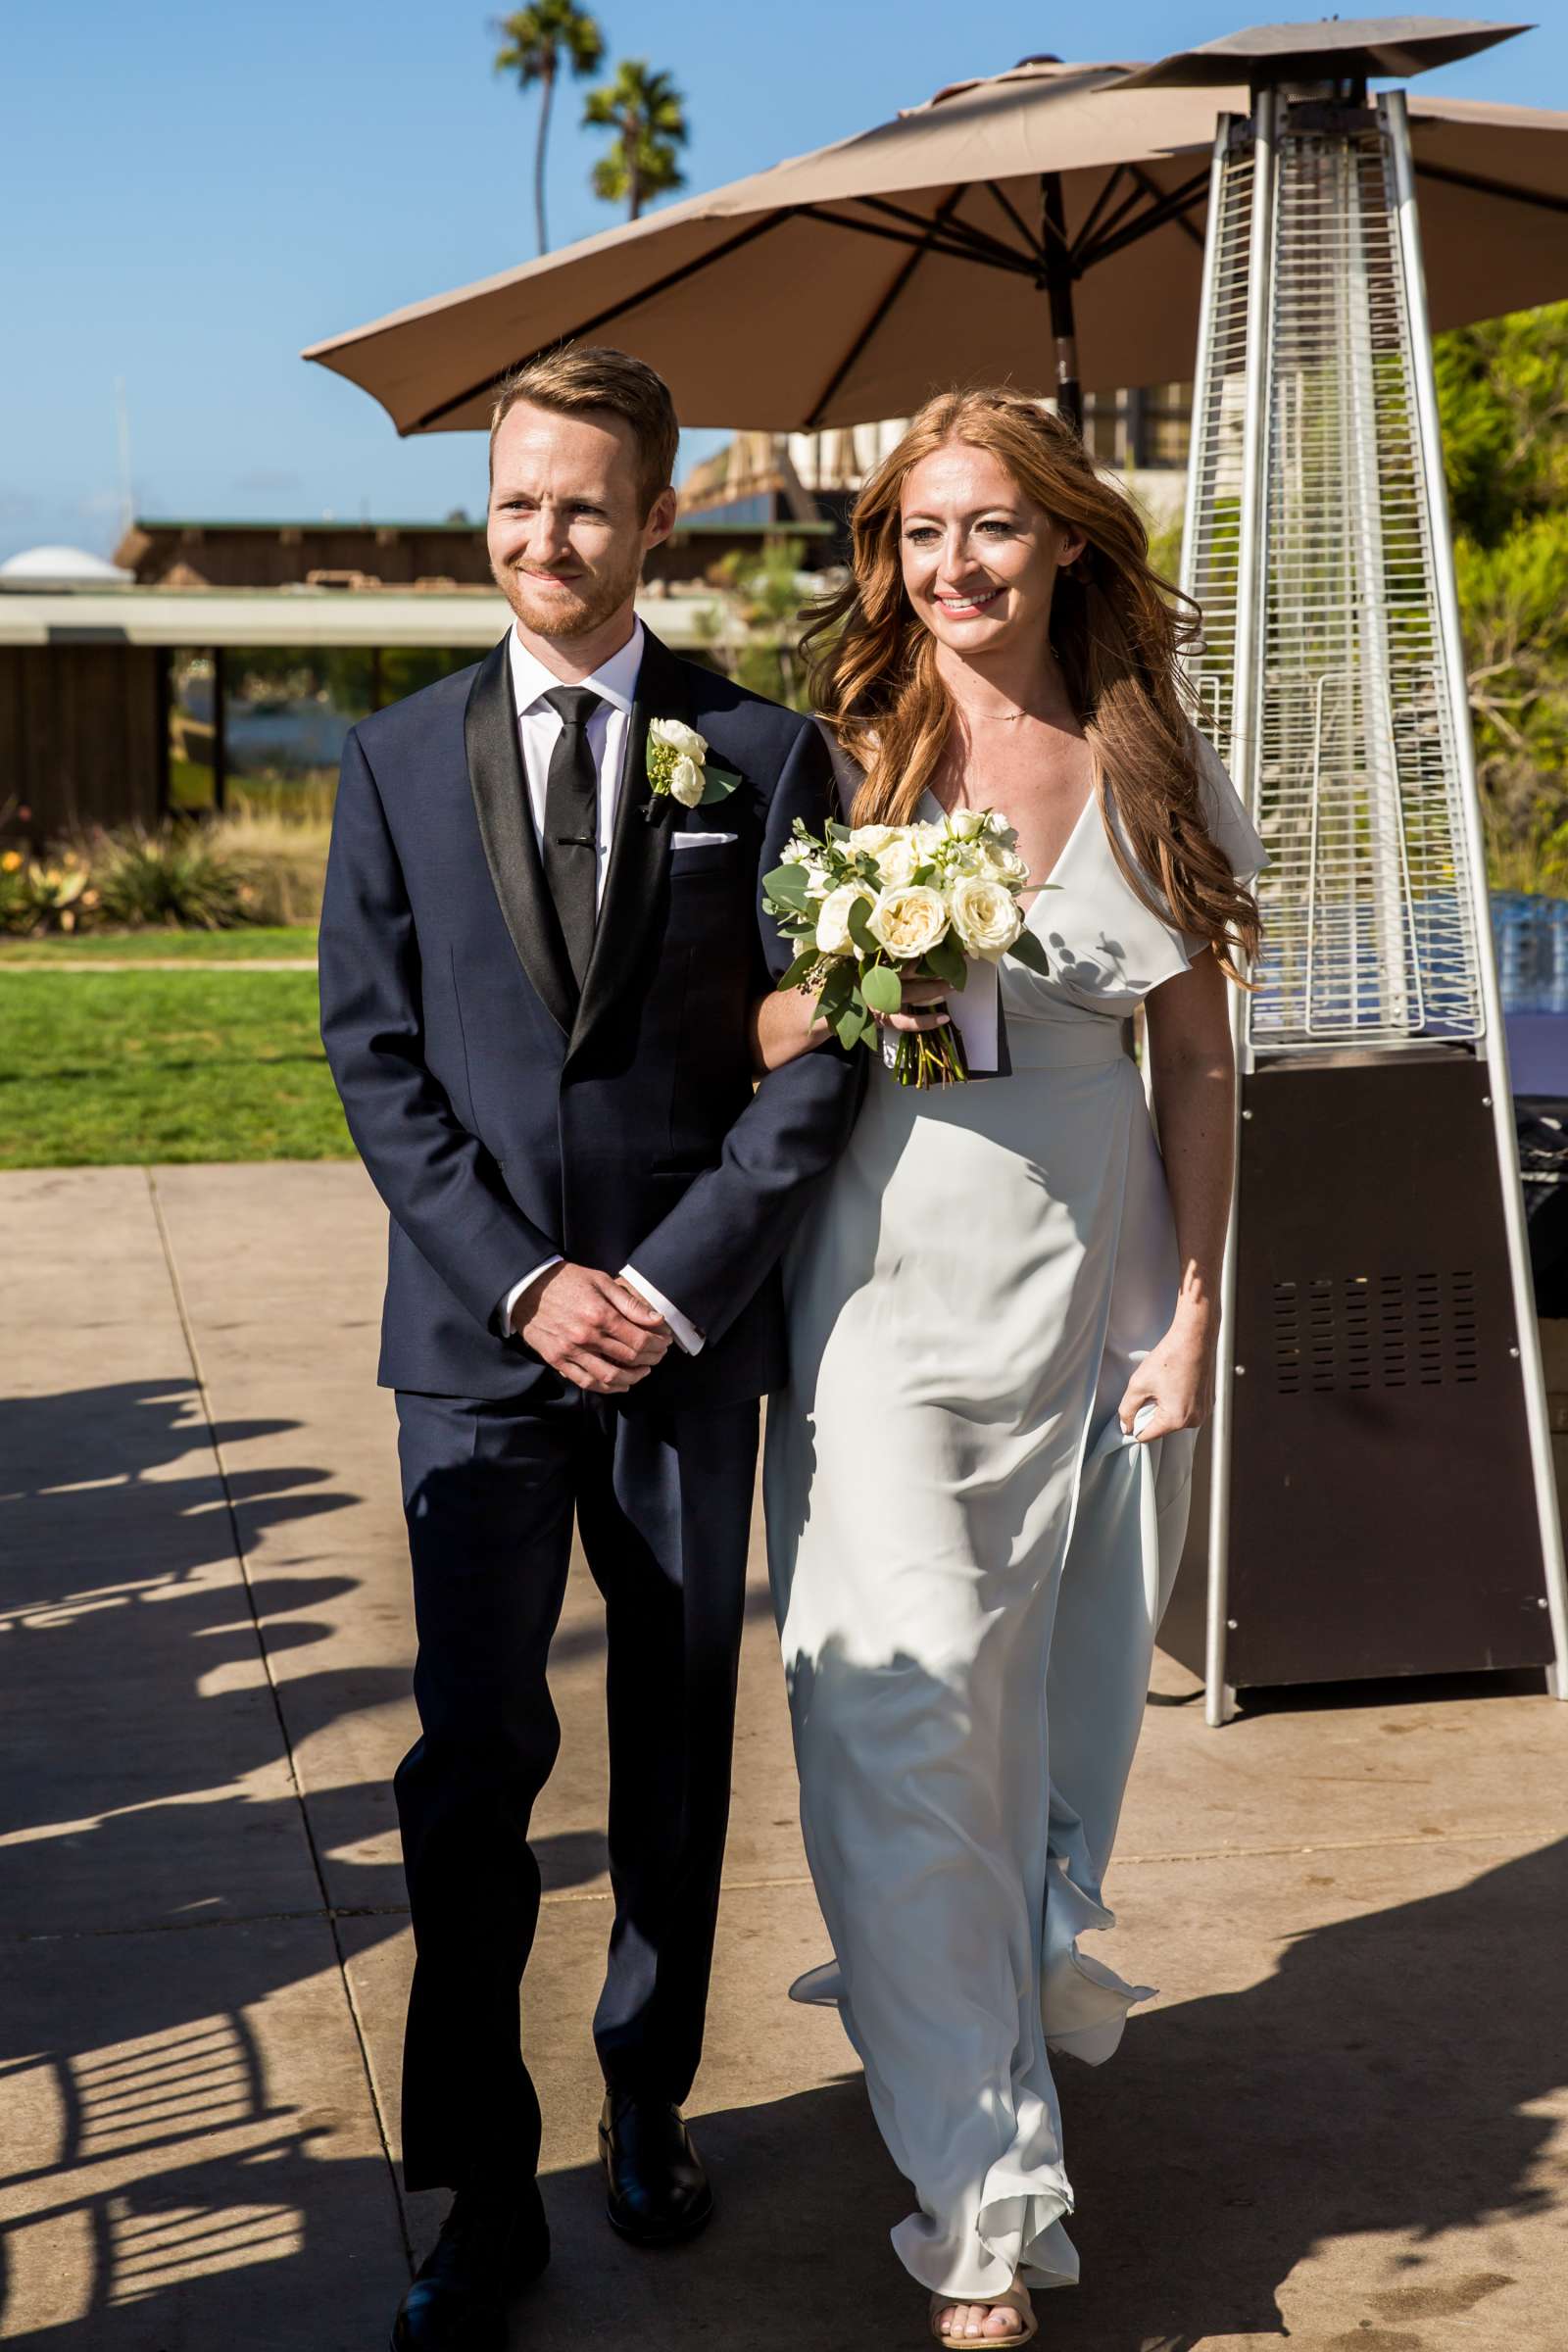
{"type": "Point", "coordinates": [699, 841]}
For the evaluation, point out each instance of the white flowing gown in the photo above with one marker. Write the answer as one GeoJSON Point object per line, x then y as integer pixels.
{"type": "Point", "coordinates": [970, 1561]}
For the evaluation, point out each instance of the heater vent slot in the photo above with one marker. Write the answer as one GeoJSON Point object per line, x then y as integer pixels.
{"type": "Point", "coordinates": [1351, 1333]}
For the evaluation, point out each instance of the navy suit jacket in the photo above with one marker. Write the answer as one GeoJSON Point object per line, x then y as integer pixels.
{"type": "Point", "coordinates": [502, 1121]}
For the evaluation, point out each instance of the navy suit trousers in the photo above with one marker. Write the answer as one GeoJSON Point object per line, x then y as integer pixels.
{"type": "Point", "coordinates": [662, 1499]}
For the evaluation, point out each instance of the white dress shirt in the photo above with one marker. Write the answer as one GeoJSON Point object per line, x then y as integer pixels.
{"type": "Point", "coordinates": [538, 731]}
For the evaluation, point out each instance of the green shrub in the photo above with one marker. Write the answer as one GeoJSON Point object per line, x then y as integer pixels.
{"type": "Point", "coordinates": [179, 876]}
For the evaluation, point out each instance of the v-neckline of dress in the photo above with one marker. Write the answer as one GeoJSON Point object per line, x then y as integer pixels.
{"type": "Point", "coordinates": [1040, 888]}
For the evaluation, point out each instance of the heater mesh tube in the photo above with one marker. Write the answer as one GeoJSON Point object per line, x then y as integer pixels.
{"type": "Point", "coordinates": [1369, 933]}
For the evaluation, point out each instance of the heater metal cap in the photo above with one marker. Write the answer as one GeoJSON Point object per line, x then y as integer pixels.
{"type": "Point", "coordinates": [1328, 49]}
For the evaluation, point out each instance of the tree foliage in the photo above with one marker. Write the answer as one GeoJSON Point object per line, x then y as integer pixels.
{"type": "Point", "coordinates": [538, 43]}
{"type": "Point", "coordinates": [764, 591]}
{"type": "Point", "coordinates": [1503, 390]}
{"type": "Point", "coordinates": [648, 116]}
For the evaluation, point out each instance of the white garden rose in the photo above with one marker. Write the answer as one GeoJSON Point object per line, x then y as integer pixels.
{"type": "Point", "coordinates": [833, 918]}
{"type": "Point", "coordinates": [680, 738]}
{"type": "Point", "coordinates": [870, 840]}
{"type": "Point", "coordinates": [985, 915]}
{"type": "Point", "coordinates": [686, 780]}
{"type": "Point", "coordinates": [1002, 860]}
{"type": "Point", "coordinates": [897, 861]}
{"type": "Point", "coordinates": [908, 923]}
{"type": "Point", "coordinates": [964, 824]}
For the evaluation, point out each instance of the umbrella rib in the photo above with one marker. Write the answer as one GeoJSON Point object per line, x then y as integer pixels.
{"type": "Point", "coordinates": [1180, 218]}
{"type": "Point", "coordinates": [1109, 226]}
{"type": "Point", "coordinates": [616, 309]}
{"type": "Point", "coordinates": [985, 247]}
{"type": "Point", "coordinates": [1492, 187]}
{"type": "Point", "coordinates": [1170, 207]}
{"type": "Point", "coordinates": [1091, 220]}
{"type": "Point", "coordinates": [1031, 241]}
{"type": "Point", "coordinates": [902, 277]}
{"type": "Point", "coordinates": [1016, 265]}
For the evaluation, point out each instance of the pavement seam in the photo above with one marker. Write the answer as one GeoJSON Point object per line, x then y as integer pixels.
{"type": "Point", "coordinates": [327, 1908]}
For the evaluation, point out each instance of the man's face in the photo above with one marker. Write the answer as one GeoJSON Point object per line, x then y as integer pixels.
{"type": "Point", "coordinates": [567, 531]}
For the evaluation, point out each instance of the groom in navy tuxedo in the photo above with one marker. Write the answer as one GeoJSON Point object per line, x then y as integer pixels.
{"type": "Point", "coordinates": [538, 972]}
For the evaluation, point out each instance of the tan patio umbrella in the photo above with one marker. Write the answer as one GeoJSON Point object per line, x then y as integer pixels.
{"type": "Point", "coordinates": [971, 237]}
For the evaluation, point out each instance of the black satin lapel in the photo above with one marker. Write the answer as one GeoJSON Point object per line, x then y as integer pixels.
{"type": "Point", "coordinates": [638, 872]}
{"type": "Point", "coordinates": [505, 828]}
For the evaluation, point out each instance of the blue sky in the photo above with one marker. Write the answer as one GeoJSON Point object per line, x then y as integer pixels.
{"type": "Point", "coordinates": [194, 192]}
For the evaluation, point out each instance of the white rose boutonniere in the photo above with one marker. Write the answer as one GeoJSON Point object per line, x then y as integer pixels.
{"type": "Point", "coordinates": [678, 769]}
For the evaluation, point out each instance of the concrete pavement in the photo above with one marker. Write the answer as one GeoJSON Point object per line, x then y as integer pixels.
{"type": "Point", "coordinates": [1346, 2118]}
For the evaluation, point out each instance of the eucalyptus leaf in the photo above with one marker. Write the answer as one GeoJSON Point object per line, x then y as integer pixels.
{"type": "Point", "coordinates": [1027, 950]}
{"type": "Point", "coordinates": [881, 988]}
{"type": "Point", "coordinates": [786, 886]}
{"type": "Point", "coordinates": [850, 1026]}
{"type": "Point", "coordinates": [859, 929]}
{"type": "Point", "coordinates": [946, 962]}
{"type": "Point", "coordinates": [798, 969]}
{"type": "Point", "coordinates": [837, 991]}
{"type": "Point", "coordinates": [718, 784]}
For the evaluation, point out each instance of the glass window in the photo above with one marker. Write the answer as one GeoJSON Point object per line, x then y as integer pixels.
{"type": "Point", "coordinates": [192, 769]}
{"type": "Point", "coordinates": [286, 711]}
{"type": "Point", "coordinates": [288, 708]}
{"type": "Point", "coordinates": [1101, 437]}
{"type": "Point", "coordinates": [403, 668]}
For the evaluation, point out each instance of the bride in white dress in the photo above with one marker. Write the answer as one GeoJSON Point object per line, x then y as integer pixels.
{"type": "Point", "coordinates": [1003, 1328]}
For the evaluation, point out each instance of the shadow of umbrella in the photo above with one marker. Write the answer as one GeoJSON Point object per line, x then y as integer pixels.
{"type": "Point", "coordinates": [1387, 2078]}
{"type": "Point", "coordinates": [150, 2166]}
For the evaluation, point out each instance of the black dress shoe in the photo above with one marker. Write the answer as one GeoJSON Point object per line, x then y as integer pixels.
{"type": "Point", "coordinates": [659, 2193]}
{"type": "Point", "coordinates": [494, 2241]}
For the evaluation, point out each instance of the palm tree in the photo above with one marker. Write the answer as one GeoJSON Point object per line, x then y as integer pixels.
{"type": "Point", "coordinates": [647, 114]}
{"type": "Point", "coordinates": [536, 42]}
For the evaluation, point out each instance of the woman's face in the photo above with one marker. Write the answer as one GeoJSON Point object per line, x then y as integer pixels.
{"type": "Point", "coordinates": [980, 559]}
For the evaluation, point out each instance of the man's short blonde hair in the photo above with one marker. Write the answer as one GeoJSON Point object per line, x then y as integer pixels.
{"type": "Point", "coordinates": [577, 378]}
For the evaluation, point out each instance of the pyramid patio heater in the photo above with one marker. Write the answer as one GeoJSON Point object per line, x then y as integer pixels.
{"type": "Point", "coordinates": [1380, 1491]}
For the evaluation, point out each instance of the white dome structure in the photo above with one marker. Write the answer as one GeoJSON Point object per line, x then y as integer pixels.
{"type": "Point", "coordinates": [61, 568]}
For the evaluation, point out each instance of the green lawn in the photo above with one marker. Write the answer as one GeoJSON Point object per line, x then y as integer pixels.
{"type": "Point", "coordinates": [156, 947]}
{"type": "Point", "coordinates": [110, 1067]}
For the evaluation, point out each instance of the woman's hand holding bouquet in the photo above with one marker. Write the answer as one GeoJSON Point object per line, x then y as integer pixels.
{"type": "Point", "coordinates": [875, 906]}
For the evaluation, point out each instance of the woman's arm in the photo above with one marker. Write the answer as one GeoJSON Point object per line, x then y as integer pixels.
{"type": "Point", "coordinates": [786, 1026]}
{"type": "Point", "coordinates": [783, 1027]}
{"type": "Point", "coordinates": [1194, 1071]}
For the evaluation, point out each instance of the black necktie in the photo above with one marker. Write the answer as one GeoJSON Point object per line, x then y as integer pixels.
{"type": "Point", "coordinates": [570, 844]}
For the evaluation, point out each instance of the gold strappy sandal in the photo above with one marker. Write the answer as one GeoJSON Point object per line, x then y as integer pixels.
{"type": "Point", "coordinates": [1016, 2299]}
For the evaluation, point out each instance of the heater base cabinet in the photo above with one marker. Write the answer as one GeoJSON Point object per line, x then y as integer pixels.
{"type": "Point", "coordinates": [1382, 1507]}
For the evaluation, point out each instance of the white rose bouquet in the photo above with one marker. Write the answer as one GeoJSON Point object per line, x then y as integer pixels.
{"type": "Point", "coordinates": [873, 905]}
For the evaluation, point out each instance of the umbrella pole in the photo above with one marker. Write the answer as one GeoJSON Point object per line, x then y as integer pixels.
{"type": "Point", "coordinates": [1057, 271]}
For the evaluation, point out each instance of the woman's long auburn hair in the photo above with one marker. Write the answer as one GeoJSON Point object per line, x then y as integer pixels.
{"type": "Point", "coordinates": [1116, 628]}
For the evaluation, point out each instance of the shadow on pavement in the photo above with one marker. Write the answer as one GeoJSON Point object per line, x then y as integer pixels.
{"type": "Point", "coordinates": [1379, 2081]}
{"type": "Point", "coordinates": [170, 2162]}
{"type": "Point", "coordinates": [164, 2163]}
